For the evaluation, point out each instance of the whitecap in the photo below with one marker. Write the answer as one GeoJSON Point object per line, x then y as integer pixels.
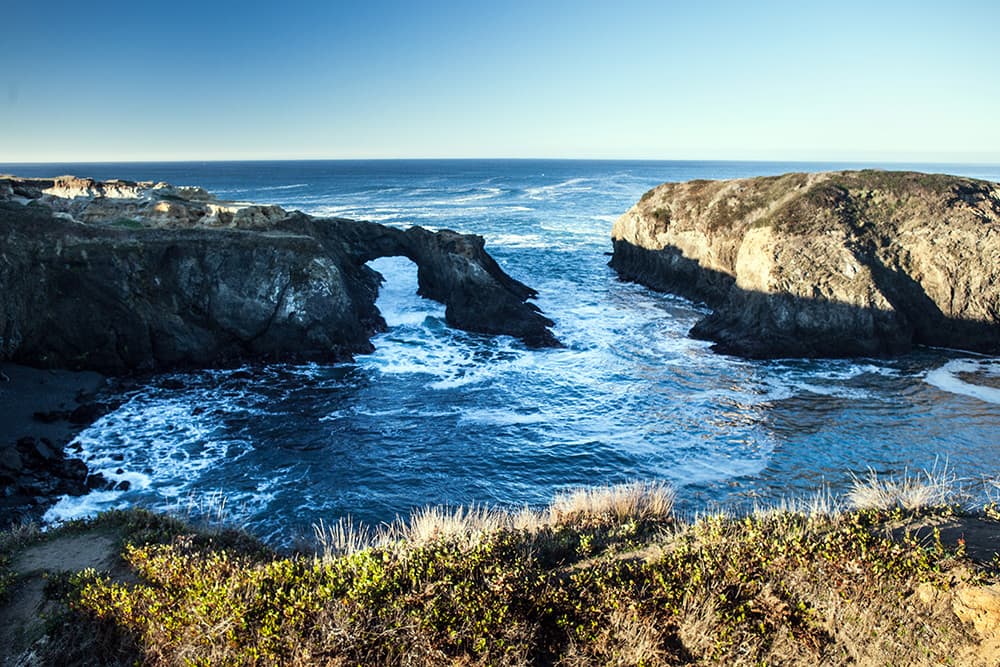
{"type": "Point", "coordinates": [293, 186]}
{"type": "Point", "coordinates": [946, 378]}
{"type": "Point", "coordinates": [517, 240]}
{"type": "Point", "coordinates": [71, 508]}
{"type": "Point", "coordinates": [502, 417]}
{"type": "Point", "coordinates": [569, 185]}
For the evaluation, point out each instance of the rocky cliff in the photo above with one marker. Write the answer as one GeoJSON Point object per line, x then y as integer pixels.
{"type": "Point", "coordinates": [831, 264]}
{"type": "Point", "coordinates": [118, 276]}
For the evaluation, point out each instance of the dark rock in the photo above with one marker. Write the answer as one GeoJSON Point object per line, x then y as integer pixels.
{"type": "Point", "coordinates": [171, 383]}
{"type": "Point", "coordinates": [44, 451]}
{"type": "Point", "coordinates": [123, 485]}
{"type": "Point", "coordinates": [182, 293]}
{"type": "Point", "coordinates": [96, 481]}
{"type": "Point", "coordinates": [10, 459]}
{"type": "Point", "coordinates": [197, 411]}
{"type": "Point", "coordinates": [118, 456]}
{"type": "Point", "coordinates": [88, 413]}
{"type": "Point", "coordinates": [51, 416]}
{"type": "Point", "coordinates": [74, 469]}
{"type": "Point", "coordinates": [824, 265]}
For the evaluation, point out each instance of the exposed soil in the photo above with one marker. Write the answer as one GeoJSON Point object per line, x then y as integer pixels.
{"type": "Point", "coordinates": [22, 619]}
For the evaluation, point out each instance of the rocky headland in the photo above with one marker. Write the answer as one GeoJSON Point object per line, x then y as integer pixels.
{"type": "Point", "coordinates": [121, 278]}
{"type": "Point", "coordinates": [836, 264]}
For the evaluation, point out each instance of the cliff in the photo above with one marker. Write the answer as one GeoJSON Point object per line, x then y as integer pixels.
{"type": "Point", "coordinates": [831, 264]}
{"type": "Point", "coordinates": [119, 276]}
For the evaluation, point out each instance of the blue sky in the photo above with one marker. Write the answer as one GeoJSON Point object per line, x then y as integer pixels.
{"type": "Point", "coordinates": [629, 79]}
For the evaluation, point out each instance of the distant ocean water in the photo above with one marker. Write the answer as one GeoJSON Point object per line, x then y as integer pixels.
{"type": "Point", "coordinates": [438, 416]}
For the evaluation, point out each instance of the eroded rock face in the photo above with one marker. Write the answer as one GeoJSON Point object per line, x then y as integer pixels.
{"type": "Point", "coordinates": [121, 278]}
{"type": "Point", "coordinates": [824, 265]}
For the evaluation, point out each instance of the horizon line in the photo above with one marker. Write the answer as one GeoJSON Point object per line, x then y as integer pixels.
{"type": "Point", "coordinates": [897, 160]}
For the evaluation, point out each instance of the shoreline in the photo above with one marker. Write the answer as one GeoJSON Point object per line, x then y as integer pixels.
{"type": "Point", "coordinates": [43, 411]}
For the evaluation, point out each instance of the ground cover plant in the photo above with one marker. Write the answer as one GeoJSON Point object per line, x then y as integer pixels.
{"type": "Point", "coordinates": [607, 576]}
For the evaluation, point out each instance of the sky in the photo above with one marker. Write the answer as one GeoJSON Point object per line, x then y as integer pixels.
{"type": "Point", "coordinates": [115, 81]}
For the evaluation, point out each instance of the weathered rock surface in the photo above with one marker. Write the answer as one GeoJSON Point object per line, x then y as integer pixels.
{"type": "Point", "coordinates": [824, 265]}
{"type": "Point", "coordinates": [118, 276]}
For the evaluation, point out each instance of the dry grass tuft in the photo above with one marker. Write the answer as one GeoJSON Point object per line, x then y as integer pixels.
{"type": "Point", "coordinates": [464, 523]}
{"type": "Point", "coordinates": [820, 505]}
{"type": "Point", "coordinates": [933, 488]}
{"type": "Point", "coordinates": [341, 538]}
{"type": "Point", "coordinates": [19, 535]}
{"type": "Point", "coordinates": [637, 501]}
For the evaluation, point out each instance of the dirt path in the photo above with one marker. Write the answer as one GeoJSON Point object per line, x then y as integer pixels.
{"type": "Point", "coordinates": [22, 618]}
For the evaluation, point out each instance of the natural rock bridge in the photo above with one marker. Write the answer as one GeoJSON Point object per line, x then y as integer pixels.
{"type": "Point", "coordinates": [120, 277]}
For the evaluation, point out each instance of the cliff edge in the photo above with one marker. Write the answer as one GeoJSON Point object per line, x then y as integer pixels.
{"type": "Point", "coordinates": [835, 264]}
{"type": "Point", "coordinates": [118, 276]}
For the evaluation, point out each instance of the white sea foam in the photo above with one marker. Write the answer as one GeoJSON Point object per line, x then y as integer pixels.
{"type": "Point", "coordinates": [71, 508]}
{"type": "Point", "coordinates": [517, 240]}
{"type": "Point", "coordinates": [832, 391]}
{"type": "Point", "coordinates": [149, 442]}
{"type": "Point", "coordinates": [502, 417]}
{"type": "Point", "coordinates": [293, 186]}
{"type": "Point", "coordinates": [946, 378]}
{"type": "Point", "coordinates": [489, 193]}
{"type": "Point", "coordinates": [571, 185]}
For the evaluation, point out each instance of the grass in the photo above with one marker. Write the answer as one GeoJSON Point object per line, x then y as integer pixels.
{"type": "Point", "coordinates": [607, 576]}
{"type": "Point", "coordinates": [937, 487]}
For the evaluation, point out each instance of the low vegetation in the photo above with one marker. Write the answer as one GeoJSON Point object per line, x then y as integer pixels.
{"type": "Point", "coordinates": [607, 576]}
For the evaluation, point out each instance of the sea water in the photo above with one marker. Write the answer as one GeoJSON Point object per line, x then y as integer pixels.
{"type": "Point", "coordinates": [437, 416]}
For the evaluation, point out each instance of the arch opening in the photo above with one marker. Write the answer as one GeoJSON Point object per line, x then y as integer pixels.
{"type": "Point", "coordinates": [398, 301]}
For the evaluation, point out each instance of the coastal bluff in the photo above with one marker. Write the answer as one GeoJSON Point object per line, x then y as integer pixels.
{"type": "Point", "coordinates": [120, 277]}
{"type": "Point", "coordinates": [834, 264]}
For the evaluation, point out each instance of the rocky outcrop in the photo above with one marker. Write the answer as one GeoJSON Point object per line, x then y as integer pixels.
{"type": "Point", "coordinates": [823, 265]}
{"type": "Point", "coordinates": [118, 276]}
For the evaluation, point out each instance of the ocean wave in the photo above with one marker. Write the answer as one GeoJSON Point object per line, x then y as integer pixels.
{"type": "Point", "coordinates": [517, 240]}
{"type": "Point", "coordinates": [293, 186]}
{"type": "Point", "coordinates": [71, 508]}
{"type": "Point", "coordinates": [501, 417]}
{"type": "Point", "coordinates": [489, 193]}
{"type": "Point", "coordinates": [570, 185]}
{"type": "Point", "coordinates": [946, 378]}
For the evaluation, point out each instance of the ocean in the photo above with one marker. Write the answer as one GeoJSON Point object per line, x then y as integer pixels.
{"type": "Point", "coordinates": [437, 416]}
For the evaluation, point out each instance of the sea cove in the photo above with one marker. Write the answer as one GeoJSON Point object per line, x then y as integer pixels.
{"type": "Point", "coordinates": [437, 416]}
